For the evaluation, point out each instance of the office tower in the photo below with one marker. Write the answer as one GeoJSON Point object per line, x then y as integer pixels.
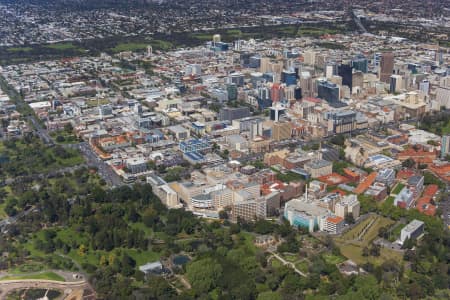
{"type": "Point", "coordinates": [232, 91]}
{"type": "Point", "coordinates": [358, 79]}
{"type": "Point", "coordinates": [275, 93]}
{"type": "Point", "coordinates": [298, 93]}
{"type": "Point", "coordinates": [216, 39]}
{"type": "Point", "coordinates": [256, 128]}
{"type": "Point", "coordinates": [386, 66]}
{"type": "Point", "coordinates": [149, 50]}
{"type": "Point", "coordinates": [360, 63]}
{"type": "Point", "coordinates": [237, 78]}
{"type": "Point", "coordinates": [443, 96]}
{"type": "Point", "coordinates": [445, 146]}
{"type": "Point", "coordinates": [306, 84]}
{"type": "Point", "coordinates": [345, 71]}
{"type": "Point", "coordinates": [288, 77]}
{"type": "Point", "coordinates": [264, 66]}
{"type": "Point", "coordinates": [237, 45]}
{"type": "Point", "coordinates": [276, 111]}
{"type": "Point", "coordinates": [269, 77]}
{"type": "Point", "coordinates": [245, 59]}
{"type": "Point", "coordinates": [255, 62]}
{"type": "Point", "coordinates": [424, 87]}
{"type": "Point", "coordinates": [309, 57]}
{"type": "Point", "coordinates": [233, 113]}
{"type": "Point", "coordinates": [256, 78]}
{"type": "Point", "coordinates": [330, 71]}
{"type": "Point", "coordinates": [194, 69]}
{"type": "Point", "coordinates": [328, 91]}
{"type": "Point", "coordinates": [341, 121]}
{"type": "Point", "coordinates": [281, 131]}
{"type": "Point", "coordinates": [396, 84]}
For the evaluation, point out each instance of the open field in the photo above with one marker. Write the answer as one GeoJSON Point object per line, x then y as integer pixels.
{"type": "Point", "coordinates": [353, 241]}
{"type": "Point", "coordinates": [43, 275]}
{"type": "Point", "coordinates": [63, 46]}
{"type": "Point", "coordinates": [20, 49]}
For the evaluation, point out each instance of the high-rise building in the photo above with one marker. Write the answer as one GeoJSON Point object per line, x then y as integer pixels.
{"type": "Point", "coordinates": [386, 66]}
{"type": "Point", "coordinates": [281, 131]}
{"type": "Point", "coordinates": [298, 93]}
{"type": "Point", "coordinates": [396, 84]}
{"type": "Point", "coordinates": [358, 79]}
{"type": "Point", "coordinates": [424, 87]}
{"type": "Point", "coordinates": [360, 63]}
{"type": "Point", "coordinates": [289, 77]}
{"type": "Point", "coordinates": [309, 57]}
{"type": "Point", "coordinates": [256, 128]}
{"type": "Point", "coordinates": [232, 91]}
{"type": "Point", "coordinates": [276, 93]}
{"type": "Point", "coordinates": [276, 111]}
{"type": "Point", "coordinates": [341, 121]}
{"type": "Point", "coordinates": [445, 146]}
{"type": "Point", "coordinates": [237, 78]}
{"type": "Point", "coordinates": [328, 91]}
{"type": "Point", "coordinates": [254, 62]}
{"type": "Point", "coordinates": [330, 70]}
{"type": "Point", "coordinates": [232, 113]}
{"type": "Point", "coordinates": [345, 71]}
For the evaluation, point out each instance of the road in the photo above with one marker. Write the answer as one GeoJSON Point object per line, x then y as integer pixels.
{"type": "Point", "coordinates": [444, 205]}
{"type": "Point", "coordinates": [40, 131]}
{"type": "Point", "coordinates": [104, 170]}
{"type": "Point", "coordinates": [358, 22]}
{"type": "Point", "coordinates": [11, 220]}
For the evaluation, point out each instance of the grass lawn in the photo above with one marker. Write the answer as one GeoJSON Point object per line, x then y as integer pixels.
{"type": "Point", "coordinates": [398, 188]}
{"type": "Point", "coordinates": [27, 268]}
{"type": "Point", "coordinates": [389, 201]}
{"type": "Point", "coordinates": [94, 103]}
{"type": "Point", "coordinates": [2, 211]}
{"type": "Point", "coordinates": [130, 47]}
{"type": "Point", "coordinates": [160, 44]}
{"type": "Point", "coordinates": [354, 253]}
{"type": "Point", "coordinates": [20, 49]}
{"type": "Point", "coordinates": [142, 257]}
{"type": "Point", "coordinates": [63, 46]}
{"type": "Point", "coordinates": [395, 233]}
{"type": "Point", "coordinates": [203, 36]}
{"type": "Point", "coordinates": [333, 259]}
{"type": "Point", "coordinates": [303, 266]}
{"type": "Point", "coordinates": [276, 263]}
{"type": "Point", "coordinates": [352, 248]}
{"type": "Point", "coordinates": [290, 257]}
{"type": "Point", "coordinates": [43, 275]}
{"type": "Point", "coordinates": [234, 31]}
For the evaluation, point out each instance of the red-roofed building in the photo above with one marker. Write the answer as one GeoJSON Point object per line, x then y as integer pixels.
{"type": "Point", "coordinates": [419, 156]}
{"type": "Point", "coordinates": [431, 190]}
{"type": "Point", "coordinates": [334, 224]}
{"type": "Point", "coordinates": [366, 183]}
{"type": "Point", "coordinates": [425, 206]}
{"type": "Point", "coordinates": [442, 171]}
{"type": "Point", "coordinates": [404, 174]}
{"type": "Point", "coordinates": [333, 179]}
{"type": "Point", "coordinates": [351, 175]}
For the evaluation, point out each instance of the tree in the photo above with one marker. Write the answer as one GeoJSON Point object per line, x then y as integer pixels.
{"type": "Point", "coordinates": [223, 215]}
{"type": "Point", "coordinates": [365, 251]}
{"type": "Point", "coordinates": [338, 140]}
{"type": "Point", "coordinates": [409, 163]}
{"type": "Point", "coordinates": [349, 218]}
{"type": "Point", "coordinates": [203, 274]}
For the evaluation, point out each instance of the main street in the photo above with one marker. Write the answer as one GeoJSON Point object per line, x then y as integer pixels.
{"type": "Point", "coordinates": [104, 170]}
